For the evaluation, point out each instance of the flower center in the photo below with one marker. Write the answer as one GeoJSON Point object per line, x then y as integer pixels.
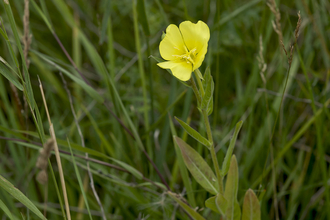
{"type": "Point", "coordinates": [189, 56]}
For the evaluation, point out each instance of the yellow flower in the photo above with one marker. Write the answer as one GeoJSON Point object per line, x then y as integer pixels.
{"type": "Point", "coordinates": [184, 48]}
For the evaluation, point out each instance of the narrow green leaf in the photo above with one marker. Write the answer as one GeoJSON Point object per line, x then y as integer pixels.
{"type": "Point", "coordinates": [81, 185]}
{"type": "Point", "coordinates": [207, 76]}
{"type": "Point", "coordinates": [217, 203]}
{"type": "Point", "coordinates": [165, 112]}
{"type": "Point", "coordinates": [6, 210]}
{"type": "Point", "coordinates": [226, 161]}
{"type": "Point", "coordinates": [221, 204]}
{"type": "Point", "coordinates": [183, 169]}
{"type": "Point", "coordinates": [100, 67]}
{"type": "Point", "coordinates": [59, 195]}
{"type": "Point", "coordinates": [195, 215]}
{"type": "Point", "coordinates": [38, 121]}
{"type": "Point", "coordinates": [158, 59]}
{"type": "Point", "coordinates": [108, 146]}
{"type": "Point", "coordinates": [13, 26]}
{"type": "Point", "coordinates": [251, 206]}
{"type": "Point", "coordinates": [163, 35]}
{"type": "Point", "coordinates": [8, 75]}
{"type": "Point", "coordinates": [105, 21]}
{"type": "Point", "coordinates": [43, 16]}
{"type": "Point", "coordinates": [198, 168]}
{"type": "Point", "coordinates": [210, 107]}
{"type": "Point", "coordinates": [94, 94]}
{"type": "Point", "coordinates": [209, 89]}
{"type": "Point", "coordinates": [131, 169]}
{"type": "Point", "coordinates": [233, 211]}
{"type": "Point", "coordinates": [199, 74]}
{"type": "Point", "coordinates": [193, 133]}
{"type": "Point", "coordinates": [142, 16]}
{"type": "Point", "coordinates": [262, 194]}
{"type": "Point", "coordinates": [152, 184]}
{"type": "Point", "coordinates": [210, 203]}
{"type": "Point", "coordinates": [7, 65]}
{"type": "Point", "coordinates": [237, 212]}
{"type": "Point", "coordinates": [7, 186]}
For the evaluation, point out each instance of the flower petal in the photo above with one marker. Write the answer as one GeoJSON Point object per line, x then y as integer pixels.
{"type": "Point", "coordinates": [172, 44]}
{"type": "Point", "coordinates": [200, 57]}
{"type": "Point", "coordinates": [195, 36]}
{"type": "Point", "coordinates": [180, 69]}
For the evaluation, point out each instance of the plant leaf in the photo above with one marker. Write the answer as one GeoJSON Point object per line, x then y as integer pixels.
{"type": "Point", "coordinates": [158, 59]}
{"type": "Point", "coordinates": [210, 107]}
{"type": "Point", "coordinates": [193, 133]}
{"type": "Point", "coordinates": [195, 215]}
{"type": "Point", "coordinates": [13, 26]}
{"type": "Point", "coordinates": [233, 211]}
{"type": "Point", "coordinates": [129, 168]}
{"type": "Point", "coordinates": [197, 166]}
{"type": "Point", "coordinates": [236, 212]}
{"type": "Point", "coordinates": [226, 161]}
{"type": "Point", "coordinates": [217, 203]}
{"type": "Point", "coordinates": [221, 203]}
{"type": "Point", "coordinates": [6, 210]}
{"type": "Point", "coordinates": [210, 203]}
{"type": "Point", "coordinates": [208, 90]}
{"type": "Point", "coordinates": [183, 168]}
{"type": "Point", "coordinates": [105, 20]}
{"type": "Point", "coordinates": [251, 206]}
{"type": "Point", "coordinates": [79, 181]}
{"type": "Point", "coordinates": [91, 91]}
{"type": "Point", "coordinates": [8, 75]}
{"type": "Point", "coordinates": [12, 190]}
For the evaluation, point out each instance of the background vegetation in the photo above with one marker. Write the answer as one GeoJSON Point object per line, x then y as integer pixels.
{"type": "Point", "coordinates": [124, 102]}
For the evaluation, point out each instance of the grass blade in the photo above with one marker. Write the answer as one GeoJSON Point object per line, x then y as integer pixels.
{"type": "Point", "coordinates": [17, 194]}
{"type": "Point", "coordinates": [8, 75]}
{"type": "Point", "coordinates": [6, 210]}
{"type": "Point", "coordinates": [79, 180]}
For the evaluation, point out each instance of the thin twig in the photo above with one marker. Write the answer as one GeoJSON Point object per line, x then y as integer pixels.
{"type": "Point", "coordinates": [83, 145]}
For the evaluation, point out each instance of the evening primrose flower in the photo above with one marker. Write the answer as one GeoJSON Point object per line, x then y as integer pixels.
{"type": "Point", "coordinates": [184, 48]}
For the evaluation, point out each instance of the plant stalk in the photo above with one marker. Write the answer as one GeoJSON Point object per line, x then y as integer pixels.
{"type": "Point", "coordinates": [199, 95]}
{"type": "Point", "coordinates": [212, 150]}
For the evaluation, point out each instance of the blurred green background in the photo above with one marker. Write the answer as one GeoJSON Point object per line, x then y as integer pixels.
{"type": "Point", "coordinates": [100, 38]}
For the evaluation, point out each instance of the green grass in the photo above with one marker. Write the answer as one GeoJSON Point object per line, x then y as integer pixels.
{"type": "Point", "coordinates": [123, 101]}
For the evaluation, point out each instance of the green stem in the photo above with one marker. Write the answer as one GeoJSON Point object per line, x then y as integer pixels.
{"type": "Point", "coordinates": [195, 89]}
{"type": "Point", "coordinates": [212, 150]}
{"type": "Point", "coordinates": [208, 128]}
{"type": "Point", "coordinates": [197, 74]}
